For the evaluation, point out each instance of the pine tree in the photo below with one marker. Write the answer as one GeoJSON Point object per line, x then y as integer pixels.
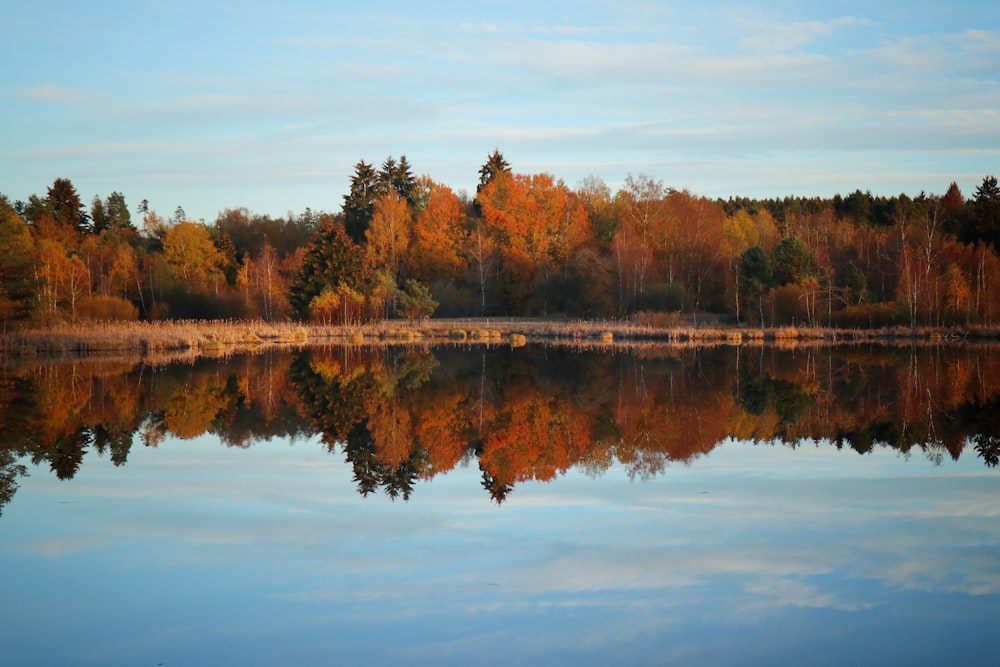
{"type": "Point", "coordinates": [495, 164]}
{"type": "Point", "coordinates": [65, 206]}
{"type": "Point", "coordinates": [359, 203]}
{"type": "Point", "coordinates": [403, 180]}
{"type": "Point", "coordinates": [331, 259]}
{"type": "Point", "coordinates": [986, 211]}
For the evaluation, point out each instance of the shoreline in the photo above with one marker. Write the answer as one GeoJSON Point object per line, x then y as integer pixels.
{"type": "Point", "coordinates": [224, 337]}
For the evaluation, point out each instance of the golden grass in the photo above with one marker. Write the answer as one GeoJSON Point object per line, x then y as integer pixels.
{"type": "Point", "coordinates": [221, 337]}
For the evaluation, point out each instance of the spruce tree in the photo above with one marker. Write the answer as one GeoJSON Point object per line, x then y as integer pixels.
{"type": "Point", "coordinates": [331, 259]}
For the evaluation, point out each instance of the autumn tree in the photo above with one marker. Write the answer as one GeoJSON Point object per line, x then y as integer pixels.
{"type": "Point", "coordinates": [596, 197]}
{"type": "Point", "coordinates": [701, 259]}
{"type": "Point", "coordinates": [17, 285]}
{"type": "Point", "coordinates": [440, 235]}
{"type": "Point", "coordinates": [193, 258]}
{"type": "Point", "coordinates": [537, 223]}
{"type": "Point", "coordinates": [263, 279]}
{"type": "Point", "coordinates": [388, 235]}
{"type": "Point", "coordinates": [640, 214]}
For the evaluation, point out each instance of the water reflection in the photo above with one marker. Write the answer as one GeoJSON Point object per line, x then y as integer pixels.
{"type": "Point", "coordinates": [404, 415]}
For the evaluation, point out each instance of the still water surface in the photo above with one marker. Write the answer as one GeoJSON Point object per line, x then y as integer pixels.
{"type": "Point", "coordinates": [532, 506]}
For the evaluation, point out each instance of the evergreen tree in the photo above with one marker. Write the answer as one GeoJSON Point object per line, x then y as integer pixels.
{"type": "Point", "coordinates": [98, 215]}
{"type": "Point", "coordinates": [65, 206]}
{"type": "Point", "coordinates": [755, 278]}
{"type": "Point", "coordinates": [495, 164]}
{"type": "Point", "coordinates": [118, 217]}
{"type": "Point", "coordinates": [331, 259]}
{"type": "Point", "coordinates": [954, 215]}
{"type": "Point", "coordinates": [399, 177]}
{"type": "Point", "coordinates": [791, 262]}
{"type": "Point", "coordinates": [359, 203]}
{"type": "Point", "coordinates": [986, 212]}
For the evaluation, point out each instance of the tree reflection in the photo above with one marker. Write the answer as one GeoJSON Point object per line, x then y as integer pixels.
{"type": "Point", "coordinates": [402, 415]}
{"type": "Point", "coordinates": [10, 472]}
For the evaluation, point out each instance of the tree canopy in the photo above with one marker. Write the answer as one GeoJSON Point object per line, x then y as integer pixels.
{"type": "Point", "coordinates": [525, 244]}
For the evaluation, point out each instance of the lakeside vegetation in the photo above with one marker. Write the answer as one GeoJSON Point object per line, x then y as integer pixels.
{"type": "Point", "coordinates": [173, 340]}
{"type": "Point", "coordinates": [647, 261]}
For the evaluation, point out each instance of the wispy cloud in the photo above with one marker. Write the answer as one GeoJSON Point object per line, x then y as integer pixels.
{"type": "Point", "coordinates": [778, 36]}
{"type": "Point", "coordinates": [52, 93]}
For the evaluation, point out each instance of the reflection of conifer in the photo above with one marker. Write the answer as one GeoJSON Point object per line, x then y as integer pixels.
{"type": "Point", "coordinates": [333, 408]}
{"type": "Point", "coordinates": [66, 453]}
{"type": "Point", "coordinates": [758, 391]}
{"type": "Point", "coordinates": [115, 440]}
{"type": "Point", "coordinates": [400, 481]}
{"type": "Point", "coordinates": [10, 470]}
{"type": "Point", "coordinates": [361, 453]}
{"type": "Point", "coordinates": [988, 448]}
{"type": "Point", "coordinates": [498, 491]}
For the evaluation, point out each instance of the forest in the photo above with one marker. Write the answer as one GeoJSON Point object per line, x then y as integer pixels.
{"type": "Point", "coordinates": [525, 245]}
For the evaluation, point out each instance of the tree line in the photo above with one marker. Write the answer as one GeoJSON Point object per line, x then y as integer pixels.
{"type": "Point", "coordinates": [523, 245]}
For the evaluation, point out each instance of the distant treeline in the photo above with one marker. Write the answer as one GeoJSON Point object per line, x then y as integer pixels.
{"type": "Point", "coordinates": [523, 245]}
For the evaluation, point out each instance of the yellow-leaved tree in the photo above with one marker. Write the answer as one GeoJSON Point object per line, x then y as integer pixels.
{"type": "Point", "coordinates": [193, 257]}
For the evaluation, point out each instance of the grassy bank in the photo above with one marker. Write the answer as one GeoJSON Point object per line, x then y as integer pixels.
{"type": "Point", "coordinates": [215, 337]}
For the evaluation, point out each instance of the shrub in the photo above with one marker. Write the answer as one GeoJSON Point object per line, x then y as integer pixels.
{"type": "Point", "coordinates": [867, 316]}
{"type": "Point", "coordinates": [661, 298]}
{"type": "Point", "coordinates": [107, 308]}
{"type": "Point", "coordinates": [415, 301]}
{"type": "Point", "coordinates": [657, 320]}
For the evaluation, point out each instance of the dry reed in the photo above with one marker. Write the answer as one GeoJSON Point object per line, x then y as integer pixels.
{"type": "Point", "coordinates": [228, 336]}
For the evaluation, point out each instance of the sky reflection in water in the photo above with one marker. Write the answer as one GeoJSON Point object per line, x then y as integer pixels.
{"type": "Point", "coordinates": [195, 553]}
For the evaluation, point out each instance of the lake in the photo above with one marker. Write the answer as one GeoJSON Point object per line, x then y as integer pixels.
{"type": "Point", "coordinates": [485, 505]}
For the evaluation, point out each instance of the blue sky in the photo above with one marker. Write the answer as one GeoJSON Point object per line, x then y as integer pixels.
{"type": "Point", "coordinates": [219, 104]}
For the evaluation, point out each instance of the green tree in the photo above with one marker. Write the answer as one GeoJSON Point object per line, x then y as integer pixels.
{"type": "Point", "coordinates": [359, 203]}
{"type": "Point", "coordinates": [986, 213]}
{"type": "Point", "coordinates": [399, 177]}
{"type": "Point", "coordinates": [791, 262]}
{"type": "Point", "coordinates": [331, 259]}
{"type": "Point", "coordinates": [119, 219]}
{"type": "Point", "coordinates": [98, 215]}
{"type": "Point", "coordinates": [852, 282]}
{"type": "Point", "coordinates": [415, 301]}
{"type": "Point", "coordinates": [64, 204]}
{"type": "Point", "coordinates": [755, 279]}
